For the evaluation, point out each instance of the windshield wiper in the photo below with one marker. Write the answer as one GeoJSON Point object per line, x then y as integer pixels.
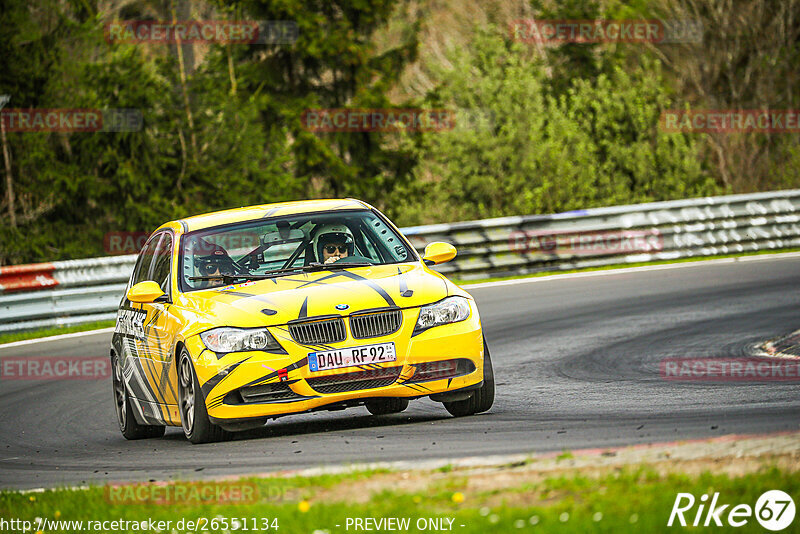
{"type": "Point", "coordinates": [316, 266]}
{"type": "Point", "coordinates": [311, 267]}
{"type": "Point", "coordinates": [230, 278]}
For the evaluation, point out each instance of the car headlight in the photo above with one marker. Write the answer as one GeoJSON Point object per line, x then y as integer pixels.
{"type": "Point", "coordinates": [227, 339]}
{"type": "Point", "coordinates": [446, 311]}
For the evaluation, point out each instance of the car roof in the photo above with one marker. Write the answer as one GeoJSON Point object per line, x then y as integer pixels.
{"type": "Point", "coordinates": [249, 213]}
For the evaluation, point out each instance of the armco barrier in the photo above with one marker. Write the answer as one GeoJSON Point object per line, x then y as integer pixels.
{"type": "Point", "coordinates": [75, 291]}
{"type": "Point", "coordinates": [27, 277]}
{"type": "Point", "coordinates": [70, 273]}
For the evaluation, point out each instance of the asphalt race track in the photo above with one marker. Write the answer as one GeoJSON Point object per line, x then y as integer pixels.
{"type": "Point", "coordinates": [576, 361]}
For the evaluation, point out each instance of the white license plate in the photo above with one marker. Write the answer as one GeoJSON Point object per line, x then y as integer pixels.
{"type": "Point", "coordinates": [363, 355]}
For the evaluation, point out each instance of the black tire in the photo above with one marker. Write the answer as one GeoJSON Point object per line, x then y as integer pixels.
{"type": "Point", "coordinates": [128, 425]}
{"type": "Point", "coordinates": [194, 417]}
{"type": "Point", "coordinates": [386, 406]}
{"type": "Point", "coordinates": [483, 398]}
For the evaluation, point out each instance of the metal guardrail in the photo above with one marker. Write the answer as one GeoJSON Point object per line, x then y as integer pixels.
{"type": "Point", "coordinates": [76, 291]}
{"type": "Point", "coordinates": [69, 273]}
{"type": "Point", "coordinates": [620, 234]}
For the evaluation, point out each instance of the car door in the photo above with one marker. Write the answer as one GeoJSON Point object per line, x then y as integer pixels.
{"type": "Point", "coordinates": [137, 366]}
{"type": "Point", "coordinates": [159, 333]}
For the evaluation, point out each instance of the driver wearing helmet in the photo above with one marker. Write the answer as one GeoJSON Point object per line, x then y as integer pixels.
{"type": "Point", "coordinates": [211, 260]}
{"type": "Point", "coordinates": [333, 242]}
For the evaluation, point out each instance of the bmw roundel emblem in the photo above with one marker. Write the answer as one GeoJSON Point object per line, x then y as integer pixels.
{"type": "Point", "coordinates": [342, 306]}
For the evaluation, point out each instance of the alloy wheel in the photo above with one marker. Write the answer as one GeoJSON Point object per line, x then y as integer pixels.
{"type": "Point", "coordinates": [187, 395]}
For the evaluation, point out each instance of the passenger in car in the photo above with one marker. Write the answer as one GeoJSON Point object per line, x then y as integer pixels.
{"type": "Point", "coordinates": [211, 260]}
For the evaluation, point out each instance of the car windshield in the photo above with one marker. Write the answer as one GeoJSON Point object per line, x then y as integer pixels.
{"type": "Point", "coordinates": [265, 247]}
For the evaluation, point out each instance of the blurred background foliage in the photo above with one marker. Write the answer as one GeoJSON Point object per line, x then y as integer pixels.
{"type": "Point", "coordinates": [540, 129]}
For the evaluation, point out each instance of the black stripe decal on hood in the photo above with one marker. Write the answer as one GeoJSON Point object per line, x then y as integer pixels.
{"type": "Point", "coordinates": [404, 291]}
{"type": "Point", "coordinates": [378, 289]}
{"type": "Point", "coordinates": [318, 280]}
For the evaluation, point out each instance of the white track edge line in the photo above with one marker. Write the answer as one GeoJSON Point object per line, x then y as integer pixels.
{"type": "Point", "coordinates": [623, 270]}
{"type": "Point", "coordinates": [58, 337]}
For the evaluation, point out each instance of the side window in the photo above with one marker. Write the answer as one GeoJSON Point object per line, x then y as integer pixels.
{"type": "Point", "coordinates": [162, 262]}
{"type": "Point", "coordinates": [141, 273]}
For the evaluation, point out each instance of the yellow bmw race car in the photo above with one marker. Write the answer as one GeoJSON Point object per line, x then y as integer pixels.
{"type": "Point", "coordinates": [238, 316]}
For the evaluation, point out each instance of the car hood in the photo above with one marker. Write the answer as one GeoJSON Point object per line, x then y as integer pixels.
{"type": "Point", "coordinates": [280, 300]}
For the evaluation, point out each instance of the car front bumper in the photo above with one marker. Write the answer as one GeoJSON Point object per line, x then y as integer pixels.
{"type": "Point", "coordinates": [296, 388]}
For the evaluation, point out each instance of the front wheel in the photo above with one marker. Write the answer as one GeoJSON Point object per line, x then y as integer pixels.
{"type": "Point", "coordinates": [483, 398]}
{"type": "Point", "coordinates": [128, 425]}
{"type": "Point", "coordinates": [194, 417]}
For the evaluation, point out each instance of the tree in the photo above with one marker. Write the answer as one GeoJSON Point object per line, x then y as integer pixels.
{"type": "Point", "coordinates": [73, 187]}
{"type": "Point", "coordinates": [747, 60]}
{"type": "Point", "coordinates": [596, 144]}
{"type": "Point", "coordinates": [334, 63]}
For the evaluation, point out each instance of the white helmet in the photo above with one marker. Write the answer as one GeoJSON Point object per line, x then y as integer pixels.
{"type": "Point", "coordinates": [333, 233]}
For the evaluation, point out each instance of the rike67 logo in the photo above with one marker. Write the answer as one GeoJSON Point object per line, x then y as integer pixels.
{"type": "Point", "coordinates": [774, 510]}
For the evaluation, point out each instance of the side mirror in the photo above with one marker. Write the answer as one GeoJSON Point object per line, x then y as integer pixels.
{"type": "Point", "coordinates": [146, 293]}
{"type": "Point", "coordinates": [438, 252]}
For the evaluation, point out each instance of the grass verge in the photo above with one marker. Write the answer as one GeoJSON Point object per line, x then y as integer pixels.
{"type": "Point", "coordinates": [47, 332]}
{"type": "Point", "coordinates": [621, 498]}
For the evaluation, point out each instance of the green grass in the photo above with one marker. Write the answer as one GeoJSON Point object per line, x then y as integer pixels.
{"type": "Point", "coordinates": [565, 455]}
{"type": "Point", "coordinates": [463, 282]}
{"type": "Point", "coordinates": [47, 332]}
{"type": "Point", "coordinates": [627, 500]}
